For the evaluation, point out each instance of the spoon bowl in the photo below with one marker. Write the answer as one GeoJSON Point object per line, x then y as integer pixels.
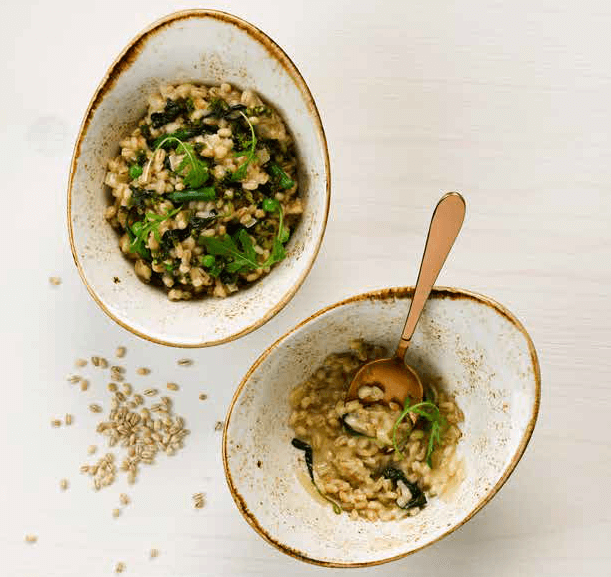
{"type": "Point", "coordinates": [397, 380]}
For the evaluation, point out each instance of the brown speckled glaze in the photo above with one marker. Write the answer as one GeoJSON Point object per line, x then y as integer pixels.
{"type": "Point", "coordinates": [465, 342]}
{"type": "Point", "coordinates": [204, 46]}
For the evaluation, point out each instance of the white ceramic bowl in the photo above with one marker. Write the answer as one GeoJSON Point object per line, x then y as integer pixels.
{"type": "Point", "coordinates": [483, 356]}
{"type": "Point", "coordinates": [207, 47]}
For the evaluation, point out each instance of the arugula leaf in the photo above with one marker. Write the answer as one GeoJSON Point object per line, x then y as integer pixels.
{"type": "Point", "coordinates": [248, 152]}
{"type": "Point", "coordinates": [428, 410]}
{"type": "Point", "coordinates": [247, 245]}
{"type": "Point", "coordinates": [225, 246]}
{"type": "Point", "coordinates": [197, 169]}
{"type": "Point", "coordinates": [137, 244]}
{"type": "Point", "coordinates": [140, 231]}
{"type": "Point", "coordinates": [278, 253]}
{"type": "Point", "coordinates": [239, 251]}
{"type": "Point", "coordinates": [216, 270]}
{"type": "Point", "coordinates": [283, 179]}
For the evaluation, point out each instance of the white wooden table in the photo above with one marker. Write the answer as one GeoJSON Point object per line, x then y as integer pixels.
{"type": "Point", "coordinates": [508, 102]}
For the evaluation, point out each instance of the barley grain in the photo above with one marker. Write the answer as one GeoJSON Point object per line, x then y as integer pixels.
{"type": "Point", "coordinates": [55, 280]}
{"type": "Point", "coordinates": [63, 484]}
{"type": "Point", "coordinates": [172, 386]}
{"type": "Point", "coordinates": [120, 352]}
{"type": "Point", "coordinates": [185, 362]}
{"type": "Point", "coordinates": [94, 408]}
{"type": "Point", "coordinates": [68, 419]}
{"type": "Point", "coordinates": [56, 423]}
{"type": "Point", "coordinates": [31, 539]}
{"type": "Point", "coordinates": [143, 371]}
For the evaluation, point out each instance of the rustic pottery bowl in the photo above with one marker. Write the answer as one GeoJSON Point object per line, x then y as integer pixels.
{"type": "Point", "coordinates": [479, 351]}
{"type": "Point", "coordinates": [208, 47]}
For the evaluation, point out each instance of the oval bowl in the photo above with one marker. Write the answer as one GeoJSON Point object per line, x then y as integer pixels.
{"type": "Point", "coordinates": [478, 349]}
{"type": "Point", "coordinates": [208, 47]}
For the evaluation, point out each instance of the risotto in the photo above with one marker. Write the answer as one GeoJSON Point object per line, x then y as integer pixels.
{"type": "Point", "coordinates": [204, 191]}
{"type": "Point", "coordinates": [374, 461]}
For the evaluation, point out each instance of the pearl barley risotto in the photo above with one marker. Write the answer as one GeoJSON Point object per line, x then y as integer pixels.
{"type": "Point", "coordinates": [204, 191]}
{"type": "Point", "coordinates": [371, 460]}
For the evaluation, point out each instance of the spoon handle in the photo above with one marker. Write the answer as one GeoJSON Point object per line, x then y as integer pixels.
{"type": "Point", "coordinates": [445, 226]}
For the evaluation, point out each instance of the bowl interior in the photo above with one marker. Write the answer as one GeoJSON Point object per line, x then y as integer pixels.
{"type": "Point", "coordinates": [206, 47]}
{"type": "Point", "coordinates": [472, 347]}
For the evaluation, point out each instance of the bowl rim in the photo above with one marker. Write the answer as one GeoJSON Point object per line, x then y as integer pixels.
{"type": "Point", "coordinates": [123, 61]}
{"type": "Point", "coordinates": [382, 295]}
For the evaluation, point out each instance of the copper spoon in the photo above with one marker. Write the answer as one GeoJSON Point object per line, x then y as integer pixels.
{"type": "Point", "coordinates": [392, 375]}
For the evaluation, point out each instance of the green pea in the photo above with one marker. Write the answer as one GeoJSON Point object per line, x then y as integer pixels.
{"type": "Point", "coordinates": [135, 171]}
{"type": "Point", "coordinates": [208, 260]}
{"type": "Point", "coordinates": [270, 204]}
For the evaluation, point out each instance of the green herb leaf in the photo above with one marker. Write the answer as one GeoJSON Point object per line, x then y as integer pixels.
{"type": "Point", "coordinates": [278, 253]}
{"type": "Point", "coordinates": [198, 169]}
{"type": "Point", "coordinates": [283, 179]}
{"type": "Point", "coordinates": [197, 173]}
{"type": "Point", "coordinates": [309, 460]}
{"type": "Point", "coordinates": [249, 153]}
{"type": "Point", "coordinates": [428, 410]}
{"type": "Point", "coordinates": [140, 231]}
{"type": "Point", "coordinates": [238, 260]}
{"type": "Point", "coordinates": [270, 204]}
{"type": "Point", "coordinates": [216, 270]}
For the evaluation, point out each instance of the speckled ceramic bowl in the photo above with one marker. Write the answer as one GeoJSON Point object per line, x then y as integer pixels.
{"type": "Point", "coordinates": [208, 47]}
{"type": "Point", "coordinates": [478, 349]}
